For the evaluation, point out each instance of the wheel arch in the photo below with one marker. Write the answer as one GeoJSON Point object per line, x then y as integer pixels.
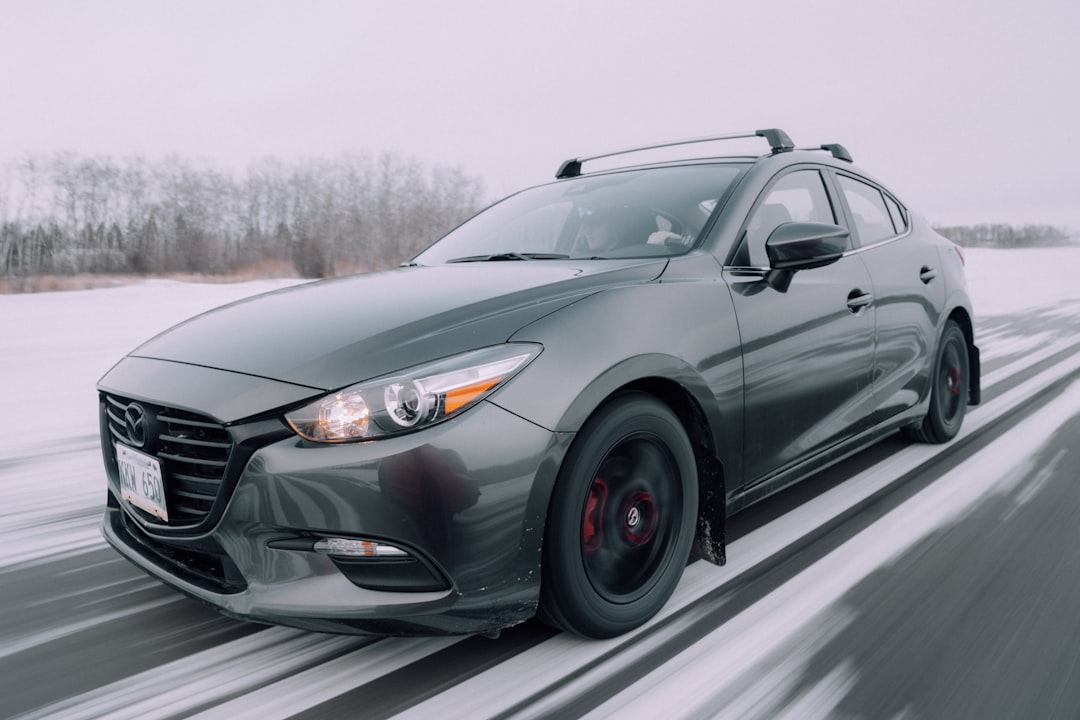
{"type": "Point", "coordinates": [709, 535]}
{"type": "Point", "coordinates": [962, 317]}
{"type": "Point", "coordinates": [681, 390]}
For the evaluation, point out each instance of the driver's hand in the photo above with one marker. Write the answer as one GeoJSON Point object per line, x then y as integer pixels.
{"type": "Point", "coordinates": [661, 236]}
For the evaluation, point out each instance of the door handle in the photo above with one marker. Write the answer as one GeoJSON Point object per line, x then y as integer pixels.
{"type": "Point", "coordinates": [927, 274]}
{"type": "Point", "coordinates": [857, 301]}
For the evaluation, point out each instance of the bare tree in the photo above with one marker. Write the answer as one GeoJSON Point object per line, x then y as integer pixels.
{"type": "Point", "coordinates": [1002, 235]}
{"type": "Point", "coordinates": [68, 214]}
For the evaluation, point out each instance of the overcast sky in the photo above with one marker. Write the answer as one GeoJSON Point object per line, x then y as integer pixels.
{"type": "Point", "coordinates": [968, 110]}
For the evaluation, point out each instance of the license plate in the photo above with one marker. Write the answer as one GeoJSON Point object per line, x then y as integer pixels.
{"type": "Point", "coordinates": [140, 481]}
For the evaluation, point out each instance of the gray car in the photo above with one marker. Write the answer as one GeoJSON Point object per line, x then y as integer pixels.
{"type": "Point", "coordinates": [549, 410]}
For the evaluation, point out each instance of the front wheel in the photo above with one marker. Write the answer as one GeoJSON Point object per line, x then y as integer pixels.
{"type": "Point", "coordinates": [621, 520]}
{"type": "Point", "coordinates": [949, 392]}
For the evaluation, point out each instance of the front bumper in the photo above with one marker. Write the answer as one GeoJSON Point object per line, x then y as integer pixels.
{"type": "Point", "coordinates": [466, 500]}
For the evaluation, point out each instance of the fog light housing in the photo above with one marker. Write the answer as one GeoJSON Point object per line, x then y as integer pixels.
{"type": "Point", "coordinates": [352, 548]}
{"type": "Point", "coordinates": [381, 566]}
{"type": "Point", "coordinates": [373, 565]}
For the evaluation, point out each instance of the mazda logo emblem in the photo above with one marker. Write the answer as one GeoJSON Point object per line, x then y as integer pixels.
{"type": "Point", "coordinates": [136, 422]}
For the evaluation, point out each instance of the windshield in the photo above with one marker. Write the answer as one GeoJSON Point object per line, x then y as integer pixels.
{"type": "Point", "coordinates": [651, 212]}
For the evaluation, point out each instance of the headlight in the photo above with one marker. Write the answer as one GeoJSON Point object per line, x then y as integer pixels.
{"type": "Point", "coordinates": [412, 399]}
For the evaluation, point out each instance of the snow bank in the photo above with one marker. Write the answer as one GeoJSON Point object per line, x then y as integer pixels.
{"type": "Point", "coordinates": [1011, 281]}
{"type": "Point", "coordinates": [55, 346]}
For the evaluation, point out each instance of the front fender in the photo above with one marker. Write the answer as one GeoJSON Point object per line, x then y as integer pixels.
{"type": "Point", "coordinates": [683, 332]}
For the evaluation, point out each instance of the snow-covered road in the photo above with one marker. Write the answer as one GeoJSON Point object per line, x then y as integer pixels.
{"type": "Point", "coordinates": [815, 615]}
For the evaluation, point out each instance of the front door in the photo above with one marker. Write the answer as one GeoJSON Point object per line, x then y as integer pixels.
{"type": "Point", "coordinates": [808, 348]}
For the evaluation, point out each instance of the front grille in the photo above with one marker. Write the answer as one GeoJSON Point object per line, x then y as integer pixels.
{"type": "Point", "coordinates": [193, 451]}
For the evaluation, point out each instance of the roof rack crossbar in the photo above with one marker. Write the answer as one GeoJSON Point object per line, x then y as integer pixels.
{"type": "Point", "coordinates": [838, 151]}
{"type": "Point", "coordinates": [778, 141]}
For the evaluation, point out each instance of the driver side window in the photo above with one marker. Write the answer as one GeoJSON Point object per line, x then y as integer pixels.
{"type": "Point", "coordinates": [799, 196]}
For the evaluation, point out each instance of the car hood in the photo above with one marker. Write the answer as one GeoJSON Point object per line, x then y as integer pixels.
{"type": "Point", "coordinates": [334, 333]}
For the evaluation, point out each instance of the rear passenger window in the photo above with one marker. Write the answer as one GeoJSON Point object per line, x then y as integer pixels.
{"type": "Point", "coordinates": [899, 218]}
{"type": "Point", "coordinates": [872, 219]}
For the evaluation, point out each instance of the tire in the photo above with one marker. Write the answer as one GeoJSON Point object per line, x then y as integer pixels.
{"type": "Point", "coordinates": [621, 520]}
{"type": "Point", "coordinates": [949, 390]}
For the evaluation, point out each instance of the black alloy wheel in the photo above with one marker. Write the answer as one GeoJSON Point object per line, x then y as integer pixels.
{"type": "Point", "coordinates": [621, 520]}
{"type": "Point", "coordinates": [949, 391]}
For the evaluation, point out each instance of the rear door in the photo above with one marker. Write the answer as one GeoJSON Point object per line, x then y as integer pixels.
{"type": "Point", "coordinates": [908, 288]}
{"type": "Point", "coordinates": [808, 348]}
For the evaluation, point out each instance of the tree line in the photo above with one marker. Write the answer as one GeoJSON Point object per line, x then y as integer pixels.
{"type": "Point", "coordinates": [68, 214]}
{"type": "Point", "coordinates": [1001, 235]}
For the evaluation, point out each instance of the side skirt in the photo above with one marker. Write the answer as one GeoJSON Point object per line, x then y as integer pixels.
{"type": "Point", "coordinates": [789, 476]}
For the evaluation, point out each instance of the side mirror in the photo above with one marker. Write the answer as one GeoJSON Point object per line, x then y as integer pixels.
{"type": "Point", "coordinates": [805, 245]}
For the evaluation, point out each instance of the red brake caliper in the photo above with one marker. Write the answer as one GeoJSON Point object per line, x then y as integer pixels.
{"type": "Point", "coordinates": [954, 381]}
{"type": "Point", "coordinates": [592, 526]}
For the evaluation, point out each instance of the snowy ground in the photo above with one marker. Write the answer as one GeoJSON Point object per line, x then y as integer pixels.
{"type": "Point", "coordinates": [1009, 281]}
{"type": "Point", "coordinates": [55, 346]}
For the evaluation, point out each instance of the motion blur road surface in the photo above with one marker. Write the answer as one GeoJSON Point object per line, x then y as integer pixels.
{"type": "Point", "coordinates": [909, 581]}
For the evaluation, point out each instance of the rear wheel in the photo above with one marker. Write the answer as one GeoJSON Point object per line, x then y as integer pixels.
{"type": "Point", "coordinates": [621, 520]}
{"type": "Point", "coordinates": [949, 392]}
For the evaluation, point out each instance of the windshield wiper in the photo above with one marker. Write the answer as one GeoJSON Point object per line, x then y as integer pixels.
{"type": "Point", "coordinates": [509, 256]}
